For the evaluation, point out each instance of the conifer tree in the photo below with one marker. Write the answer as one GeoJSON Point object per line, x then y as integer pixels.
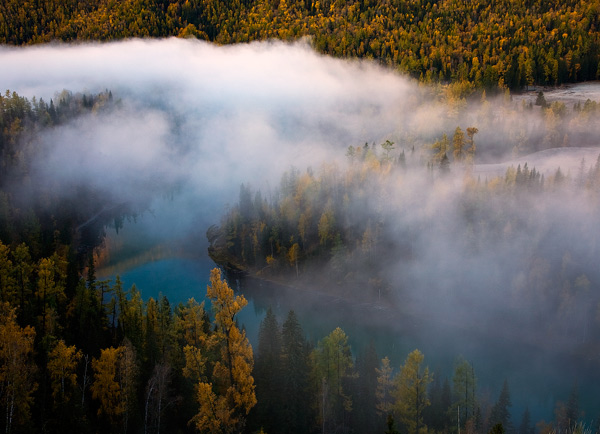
{"type": "Point", "coordinates": [296, 397]}
{"type": "Point", "coordinates": [411, 392]}
{"type": "Point", "coordinates": [226, 400]}
{"type": "Point", "coordinates": [268, 374]}
{"type": "Point", "coordinates": [500, 411]}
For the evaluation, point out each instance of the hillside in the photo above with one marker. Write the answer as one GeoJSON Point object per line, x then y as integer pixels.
{"type": "Point", "coordinates": [475, 44]}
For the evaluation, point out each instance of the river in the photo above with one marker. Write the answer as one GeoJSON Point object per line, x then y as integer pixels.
{"type": "Point", "coordinates": [538, 377]}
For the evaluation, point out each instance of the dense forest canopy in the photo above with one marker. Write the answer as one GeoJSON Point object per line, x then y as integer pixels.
{"type": "Point", "coordinates": [480, 44]}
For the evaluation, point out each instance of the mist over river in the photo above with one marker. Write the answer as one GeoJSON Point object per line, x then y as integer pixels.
{"type": "Point", "coordinates": [537, 374]}
{"type": "Point", "coordinates": [483, 255]}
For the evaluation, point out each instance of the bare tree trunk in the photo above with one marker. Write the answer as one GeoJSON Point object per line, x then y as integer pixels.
{"type": "Point", "coordinates": [86, 358]}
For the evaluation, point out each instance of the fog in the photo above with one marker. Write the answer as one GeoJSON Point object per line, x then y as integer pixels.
{"type": "Point", "coordinates": [206, 116]}
{"type": "Point", "coordinates": [195, 120]}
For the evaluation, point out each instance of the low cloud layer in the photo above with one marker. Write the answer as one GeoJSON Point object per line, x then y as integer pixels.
{"type": "Point", "coordinates": [197, 120]}
{"type": "Point", "coordinates": [211, 116]}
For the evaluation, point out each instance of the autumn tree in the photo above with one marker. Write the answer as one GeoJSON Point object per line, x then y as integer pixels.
{"type": "Point", "coordinates": [7, 282]}
{"type": "Point", "coordinates": [293, 254]}
{"type": "Point", "coordinates": [384, 388]}
{"type": "Point", "coordinates": [50, 293]}
{"type": "Point", "coordinates": [114, 386]}
{"type": "Point", "coordinates": [127, 375]}
{"type": "Point", "coordinates": [458, 144]}
{"type": "Point", "coordinates": [326, 226]}
{"type": "Point", "coordinates": [62, 367]}
{"type": "Point", "coordinates": [440, 149]}
{"type": "Point", "coordinates": [471, 131]}
{"type": "Point", "coordinates": [226, 400]}
{"type": "Point", "coordinates": [16, 369]}
{"type": "Point", "coordinates": [106, 388]}
{"type": "Point", "coordinates": [191, 326]}
{"type": "Point", "coordinates": [23, 268]}
{"type": "Point", "coordinates": [410, 391]}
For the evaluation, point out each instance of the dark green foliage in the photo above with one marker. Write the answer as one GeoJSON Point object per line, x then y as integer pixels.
{"type": "Point", "coordinates": [497, 429]}
{"type": "Point", "coordinates": [438, 415]}
{"type": "Point", "coordinates": [297, 393]}
{"type": "Point", "coordinates": [500, 415]}
{"type": "Point", "coordinates": [541, 100]}
{"type": "Point", "coordinates": [526, 427]}
{"type": "Point", "coordinates": [269, 376]}
{"type": "Point", "coordinates": [282, 375]}
{"type": "Point", "coordinates": [365, 415]}
{"type": "Point", "coordinates": [391, 425]}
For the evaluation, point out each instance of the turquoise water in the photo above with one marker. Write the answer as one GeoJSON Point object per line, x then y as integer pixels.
{"type": "Point", "coordinates": [537, 378]}
{"type": "Point", "coordinates": [177, 278]}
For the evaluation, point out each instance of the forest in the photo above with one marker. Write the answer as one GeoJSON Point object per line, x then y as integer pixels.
{"type": "Point", "coordinates": [483, 44]}
{"type": "Point", "coordinates": [445, 204]}
{"type": "Point", "coordinates": [82, 354]}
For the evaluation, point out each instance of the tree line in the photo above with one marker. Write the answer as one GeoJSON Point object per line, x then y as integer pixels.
{"type": "Point", "coordinates": [328, 387]}
{"type": "Point", "coordinates": [339, 228]}
{"type": "Point", "coordinates": [107, 361]}
{"type": "Point", "coordinates": [104, 360]}
{"type": "Point", "coordinates": [490, 45]}
{"type": "Point", "coordinates": [83, 355]}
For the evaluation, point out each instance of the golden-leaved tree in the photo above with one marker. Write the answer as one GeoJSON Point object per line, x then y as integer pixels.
{"type": "Point", "coordinates": [226, 400]}
{"type": "Point", "coordinates": [17, 368]}
{"type": "Point", "coordinates": [411, 392]}
{"type": "Point", "coordinates": [115, 374]}
{"type": "Point", "coordinates": [62, 366]}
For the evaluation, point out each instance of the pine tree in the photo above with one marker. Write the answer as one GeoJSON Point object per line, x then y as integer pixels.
{"type": "Point", "coordinates": [296, 397]}
{"type": "Point", "coordinates": [500, 413]}
{"type": "Point", "coordinates": [268, 375]}
{"type": "Point", "coordinates": [525, 427]}
{"type": "Point", "coordinates": [365, 414]}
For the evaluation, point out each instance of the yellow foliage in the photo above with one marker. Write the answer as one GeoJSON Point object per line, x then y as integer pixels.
{"type": "Point", "coordinates": [105, 387]}
{"type": "Point", "coordinates": [226, 401]}
{"type": "Point", "coordinates": [16, 366]}
{"type": "Point", "coordinates": [62, 366]}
